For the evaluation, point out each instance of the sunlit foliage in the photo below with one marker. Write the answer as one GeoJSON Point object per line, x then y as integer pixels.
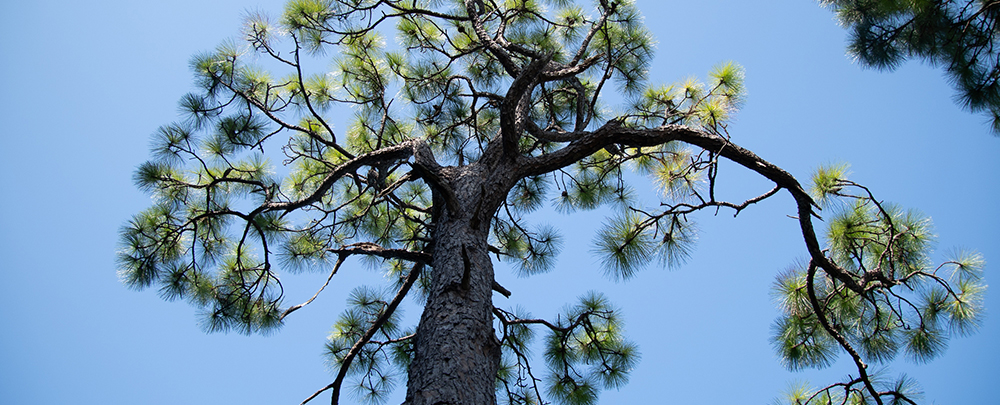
{"type": "Point", "coordinates": [909, 304]}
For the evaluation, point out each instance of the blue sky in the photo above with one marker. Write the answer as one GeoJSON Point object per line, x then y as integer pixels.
{"type": "Point", "coordinates": [84, 84]}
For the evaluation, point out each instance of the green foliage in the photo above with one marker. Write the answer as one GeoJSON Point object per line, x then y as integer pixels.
{"type": "Point", "coordinates": [827, 183]}
{"type": "Point", "coordinates": [627, 242]}
{"type": "Point", "coordinates": [692, 102]}
{"type": "Point", "coordinates": [959, 36]}
{"type": "Point", "coordinates": [624, 245]}
{"type": "Point", "coordinates": [908, 304]}
{"type": "Point", "coordinates": [592, 184]}
{"type": "Point", "coordinates": [224, 221]}
{"type": "Point", "coordinates": [589, 352]}
{"type": "Point", "coordinates": [528, 194]}
{"type": "Point", "coordinates": [798, 336]}
{"type": "Point", "coordinates": [586, 351]}
{"type": "Point", "coordinates": [673, 172]}
{"type": "Point", "coordinates": [374, 369]}
{"type": "Point", "coordinates": [530, 252]}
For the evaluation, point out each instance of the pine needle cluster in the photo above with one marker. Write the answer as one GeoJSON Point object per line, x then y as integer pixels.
{"type": "Point", "coordinates": [959, 36]}
{"type": "Point", "coordinates": [907, 303]}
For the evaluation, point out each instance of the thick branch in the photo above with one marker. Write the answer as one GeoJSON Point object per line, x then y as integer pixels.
{"type": "Point", "coordinates": [614, 132]}
{"type": "Point", "coordinates": [500, 289]}
{"type": "Point", "coordinates": [392, 153]}
{"type": "Point", "coordinates": [371, 249]}
{"type": "Point", "coordinates": [557, 71]}
{"type": "Point", "coordinates": [429, 170]}
{"type": "Point", "coordinates": [550, 136]}
{"type": "Point", "coordinates": [495, 48]}
{"type": "Point", "coordinates": [514, 110]}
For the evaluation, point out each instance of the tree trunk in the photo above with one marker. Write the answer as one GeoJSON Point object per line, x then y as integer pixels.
{"type": "Point", "coordinates": [457, 353]}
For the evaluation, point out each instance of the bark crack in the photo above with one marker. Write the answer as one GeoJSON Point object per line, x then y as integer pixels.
{"type": "Point", "coordinates": [467, 271]}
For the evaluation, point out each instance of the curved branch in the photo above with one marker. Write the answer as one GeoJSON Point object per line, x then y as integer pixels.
{"type": "Point", "coordinates": [392, 153]}
{"type": "Point", "coordinates": [514, 110]}
{"type": "Point", "coordinates": [614, 132]}
{"type": "Point", "coordinates": [559, 71]}
{"type": "Point", "coordinates": [340, 261]}
{"type": "Point", "coordinates": [389, 310]}
{"type": "Point", "coordinates": [362, 248]}
{"type": "Point", "coordinates": [428, 168]}
{"type": "Point", "coordinates": [551, 136]}
{"type": "Point", "coordinates": [818, 310]}
{"type": "Point", "coordinates": [497, 50]}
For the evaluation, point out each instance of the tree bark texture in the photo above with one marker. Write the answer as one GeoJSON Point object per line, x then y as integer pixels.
{"type": "Point", "coordinates": [457, 354]}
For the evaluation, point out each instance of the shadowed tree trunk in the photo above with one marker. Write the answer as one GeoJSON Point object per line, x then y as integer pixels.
{"type": "Point", "coordinates": [457, 354]}
{"type": "Point", "coordinates": [456, 347]}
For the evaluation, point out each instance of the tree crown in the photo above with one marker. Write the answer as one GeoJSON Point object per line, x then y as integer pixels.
{"type": "Point", "coordinates": [484, 112]}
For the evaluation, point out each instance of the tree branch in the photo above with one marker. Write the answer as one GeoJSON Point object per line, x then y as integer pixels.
{"type": "Point", "coordinates": [429, 170]}
{"type": "Point", "coordinates": [349, 358]}
{"type": "Point", "coordinates": [514, 109]}
{"type": "Point", "coordinates": [818, 310]}
{"type": "Point", "coordinates": [371, 249]}
{"type": "Point", "coordinates": [340, 261]}
{"type": "Point", "coordinates": [392, 153]}
{"type": "Point", "coordinates": [614, 132]}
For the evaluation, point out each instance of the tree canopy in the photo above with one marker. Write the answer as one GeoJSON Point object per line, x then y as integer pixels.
{"type": "Point", "coordinates": [479, 114]}
{"type": "Point", "coordinates": [959, 36]}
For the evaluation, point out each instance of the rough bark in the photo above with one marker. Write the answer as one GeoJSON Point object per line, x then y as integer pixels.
{"type": "Point", "coordinates": [457, 354]}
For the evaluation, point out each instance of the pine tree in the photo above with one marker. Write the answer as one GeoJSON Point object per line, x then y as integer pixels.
{"type": "Point", "coordinates": [480, 114]}
{"type": "Point", "coordinates": [959, 36]}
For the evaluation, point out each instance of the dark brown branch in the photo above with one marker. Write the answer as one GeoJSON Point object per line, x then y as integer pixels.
{"type": "Point", "coordinates": [585, 44]}
{"type": "Point", "coordinates": [614, 132]}
{"type": "Point", "coordinates": [557, 71]}
{"type": "Point", "coordinates": [349, 358]}
{"type": "Point", "coordinates": [429, 170]}
{"type": "Point", "coordinates": [550, 136]}
{"type": "Point", "coordinates": [392, 153]}
{"type": "Point", "coordinates": [496, 49]}
{"type": "Point", "coordinates": [371, 249]}
{"type": "Point", "coordinates": [514, 110]}
{"type": "Point", "coordinates": [821, 316]}
{"type": "Point", "coordinates": [405, 11]}
{"type": "Point", "coordinates": [685, 208]}
{"type": "Point", "coordinates": [500, 289]}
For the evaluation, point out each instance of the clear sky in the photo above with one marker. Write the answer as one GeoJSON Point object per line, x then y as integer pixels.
{"type": "Point", "coordinates": [84, 84]}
